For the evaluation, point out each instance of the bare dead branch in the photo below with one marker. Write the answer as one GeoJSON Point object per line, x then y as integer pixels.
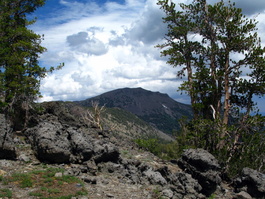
{"type": "Point", "coordinates": [94, 117]}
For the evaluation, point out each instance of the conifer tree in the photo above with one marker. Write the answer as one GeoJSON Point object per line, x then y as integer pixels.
{"type": "Point", "coordinates": [219, 51]}
{"type": "Point", "coordinates": [212, 45]}
{"type": "Point", "coordinates": [20, 48]}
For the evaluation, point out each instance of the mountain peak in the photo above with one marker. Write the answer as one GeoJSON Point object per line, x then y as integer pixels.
{"type": "Point", "coordinates": [153, 107]}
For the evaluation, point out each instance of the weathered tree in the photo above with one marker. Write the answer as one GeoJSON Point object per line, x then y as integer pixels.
{"type": "Point", "coordinates": [20, 48]}
{"type": "Point", "coordinates": [212, 45]}
{"type": "Point", "coordinates": [219, 51]}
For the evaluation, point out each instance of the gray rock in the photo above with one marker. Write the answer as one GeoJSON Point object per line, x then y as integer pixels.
{"type": "Point", "coordinates": [92, 167]}
{"type": "Point", "coordinates": [80, 197]}
{"type": "Point", "coordinates": [182, 183]}
{"type": "Point", "coordinates": [89, 179]}
{"type": "Point", "coordinates": [75, 170]}
{"type": "Point", "coordinates": [24, 158]}
{"type": "Point", "coordinates": [57, 142]}
{"type": "Point", "coordinates": [185, 184]}
{"type": "Point", "coordinates": [50, 143]}
{"type": "Point", "coordinates": [58, 175]}
{"type": "Point", "coordinates": [110, 195]}
{"type": "Point", "coordinates": [242, 195]}
{"type": "Point", "coordinates": [167, 193]}
{"type": "Point", "coordinates": [7, 146]}
{"type": "Point", "coordinates": [81, 145]}
{"type": "Point", "coordinates": [252, 182]}
{"type": "Point", "coordinates": [201, 159]}
{"type": "Point", "coordinates": [105, 152]}
{"type": "Point", "coordinates": [203, 166]}
{"type": "Point", "coordinates": [155, 177]}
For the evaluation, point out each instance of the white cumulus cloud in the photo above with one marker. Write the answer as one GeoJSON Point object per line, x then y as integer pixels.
{"type": "Point", "coordinates": [111, 45]}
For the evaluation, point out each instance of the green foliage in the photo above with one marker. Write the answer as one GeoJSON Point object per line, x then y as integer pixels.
{"type": "Point", "coordinates": [122, 116]}
{"type": "Point", "coordinates": [46, 185]}
{"type": "Point", "coordinates": [20, 72]}
{"type": "Point", "coordinates": [67, 178]}
{"type": "Point", "coordinates": [24, 179]}
{"type": "Point", "coordinates": [151, 145]}
{"type": "Point", "coordinates": [247, 146]}
{"type": "Point", "coordinates": [5, 193]}
{"type": "Point", "coordinates": [164, 122]}
{"type": "Point", "coordinates": [226, 41]}
{"type": "Point", "coordinates": [212, 196]}
{"type": "Point", "coordinates": [201, 133]}
{"type": "Point", "coordinates": [20, 49]}
{"type": "Point", "coordinates": [222, 100]}
{"type": "Point", "coordinates": [244, 143]}
{"type": "Point", "coordinates": [35, 194]}
{"type": "Point", "coordinates": [51, 191]}
{"type": "Point", "coordinates": [157, 147]}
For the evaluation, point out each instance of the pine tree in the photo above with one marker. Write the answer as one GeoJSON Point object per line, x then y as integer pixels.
{"type": "Point", "coordinates": [20, 48]}
{"type": "Point", "coordinates": [211, 44]}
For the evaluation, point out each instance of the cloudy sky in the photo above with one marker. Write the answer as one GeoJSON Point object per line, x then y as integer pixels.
{"type": "Point", "coordinates": [109, 44]}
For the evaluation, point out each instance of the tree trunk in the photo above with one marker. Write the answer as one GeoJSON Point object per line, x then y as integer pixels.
{"type": "Point", "coordinates": [227, 93]}
{"type": "Point", "coordinates": [223, 131]}
{"type": "Point", "coordinates": [191, 89]}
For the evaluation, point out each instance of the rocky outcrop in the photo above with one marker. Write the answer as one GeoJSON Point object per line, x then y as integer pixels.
{"type": "Point", "coordinates": [89, 152]}
{"type": "Point", "coordinates": [172, 185]}
{"type": "Point", "coordinates": [54, 142]}
{"type": "Point", "coordinates": [203, 167]}
{"type": "Point", "coordinates": [49, 141]}
{"type": "Point", "coordinates": [155, 177]}
{"type": "Point", "coordinates": [7, 146]}
{"type": "Point", "coordinates": [252, 182]}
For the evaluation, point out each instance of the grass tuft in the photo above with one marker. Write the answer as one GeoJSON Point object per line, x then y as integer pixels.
{"type": "Point", "coordinates": [46, 185]}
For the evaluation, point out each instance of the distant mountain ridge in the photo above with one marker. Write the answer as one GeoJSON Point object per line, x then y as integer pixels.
{"type": "Point", "coordinates": [153, 107]}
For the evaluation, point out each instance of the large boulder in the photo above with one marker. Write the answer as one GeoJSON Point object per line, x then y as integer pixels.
{"type": "Point", "coordinates": [82, 147]}
{"type": "Point", "coordinates": [181, 184]}
{"type": "Point", "coordinates": [186, 187]}
{"type": "Point", "coordinates": [7, 146]}
{"type": "Point", "coordinates": [57, 142]}
{"type": "Point", "coordinates": [252, 182]}
{"type": "Point", "coordinates": [50, 143]}
{"type": "Point", "coordinates": [203, 167]}
{"type": "Point", "coordinates": [155, 177]}
{"type": "Point", "coordinates": [63, 111]}
{"type": "Point", "coordinates": [105, 152]}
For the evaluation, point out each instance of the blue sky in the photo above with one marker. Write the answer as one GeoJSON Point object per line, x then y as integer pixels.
{"type": "Point", "coordinates": [109, 44]}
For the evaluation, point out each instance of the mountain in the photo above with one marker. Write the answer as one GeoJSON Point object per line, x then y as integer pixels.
{"type": "Point", "coordinates": [130, 126]}
{"type": "Point", "coordinates": [153, 107]}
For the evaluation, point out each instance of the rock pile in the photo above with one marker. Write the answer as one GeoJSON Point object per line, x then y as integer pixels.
{"type": "Point", "coordinates": [252, 182]}
{"type": "Point", "coordinates": [203, 167]}
{"type": "Point", "coordinates": [55, 141]}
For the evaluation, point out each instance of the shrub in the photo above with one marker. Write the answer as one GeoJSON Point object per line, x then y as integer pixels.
{"type": "Point", "coordinates": [244, 142]}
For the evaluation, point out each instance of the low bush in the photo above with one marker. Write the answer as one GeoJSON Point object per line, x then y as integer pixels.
{"type": "Point", "coordinates": [243, 143]}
